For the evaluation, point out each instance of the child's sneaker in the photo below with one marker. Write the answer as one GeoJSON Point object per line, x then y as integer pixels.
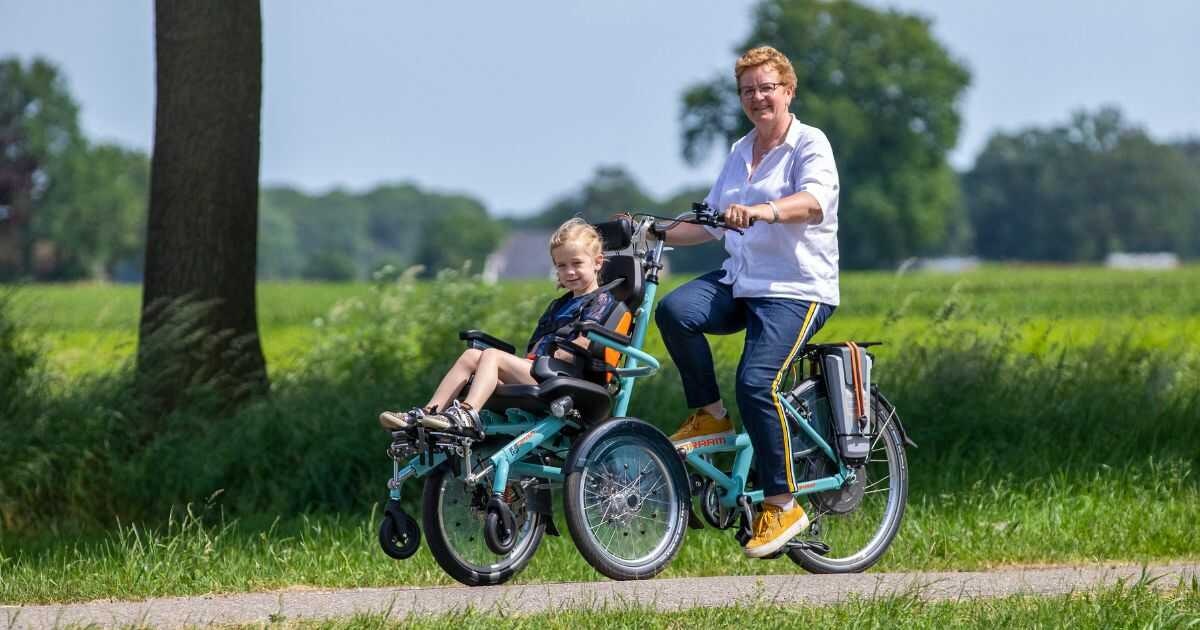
{"type": "Point", "coordinates": [401, 420]}
{"type": "Point", "coordinates": [459, 417]}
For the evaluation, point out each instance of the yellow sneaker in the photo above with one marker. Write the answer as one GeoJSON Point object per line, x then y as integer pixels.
{"type": "Point", "coordinates": [701, 426]}
{"type": "Point", "coordinates": [773, 528]}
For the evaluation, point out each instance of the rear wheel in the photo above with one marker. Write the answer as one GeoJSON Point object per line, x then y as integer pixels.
{"type": "Point", "coordinates": [454, 514]}
{"type": "Point", "coordinates": [627, 506]}
{"type": "Point", "coordinates": [859, 522]}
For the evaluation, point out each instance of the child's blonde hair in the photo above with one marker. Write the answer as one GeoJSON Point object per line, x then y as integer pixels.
{"type": "Point", "coordinates": [577, 230]}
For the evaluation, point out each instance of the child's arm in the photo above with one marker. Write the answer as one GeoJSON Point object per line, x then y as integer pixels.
{"type": "Point", "coordinates": [564, 355]}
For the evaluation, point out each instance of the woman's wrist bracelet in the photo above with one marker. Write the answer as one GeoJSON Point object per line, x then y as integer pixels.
{"type": "Point", "coordinates": [774, 211]}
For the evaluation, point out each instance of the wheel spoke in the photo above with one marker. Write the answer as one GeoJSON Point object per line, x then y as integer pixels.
{"type": "Point", "coordinates": [461, 521]}
{"type": "Point", "coordinates": [857, 534]}
{"type": "Point", "coordinates": [629, 482]}
{"type": "Point", "coordinates": [877, 482]}
{"type": "Point", "coordinates": [608, 545]}
{"type": "Point", "coordinates": [883, 427]}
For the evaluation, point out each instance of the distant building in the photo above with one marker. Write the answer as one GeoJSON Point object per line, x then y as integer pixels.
{"type": "Point", "coordinates": [525, 254]}
{"type": "Point", "coordinates": [943, 264]}
{"type": "Point", "coordinates": [1153, 260]}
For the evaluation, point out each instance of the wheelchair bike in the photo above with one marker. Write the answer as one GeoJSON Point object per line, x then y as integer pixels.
{"type": "Point", "coordinates": [627, 495]}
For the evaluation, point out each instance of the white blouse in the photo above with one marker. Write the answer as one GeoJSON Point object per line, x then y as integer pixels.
{"type": "Point", "coordinates": [782, 260]}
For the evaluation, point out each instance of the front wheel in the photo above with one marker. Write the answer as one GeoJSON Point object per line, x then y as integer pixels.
{"type": "Point", "coordinates": [454, 514]}
{"type": "Point", "coordinates": [627, 504]}
{"type": "Point", "coordinates": [399, 536]}
{"type": "Point", "coordinates": [858, 522]}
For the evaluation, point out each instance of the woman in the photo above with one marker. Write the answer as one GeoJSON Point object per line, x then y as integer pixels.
{"type": "Point", "coordinates": [779, 284]}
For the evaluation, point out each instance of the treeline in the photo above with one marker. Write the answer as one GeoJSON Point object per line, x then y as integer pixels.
{"type": "Point", "coordinates": [1077, 191]}
{"type": "Point", "coordinates": [346, 236]}
{"type": "Point", "coordinates": [343, 236]}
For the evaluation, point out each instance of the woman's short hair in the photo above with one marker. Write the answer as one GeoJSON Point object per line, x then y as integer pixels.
{"type": "Point", "coordinates": [576, 230]}
{"type": "Point", "coordinates": [765, 55]}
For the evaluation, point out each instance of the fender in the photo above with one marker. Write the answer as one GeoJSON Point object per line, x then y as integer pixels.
{"type": "Point", "coordinates": [583, 446]}
{"type": "Point", "coordinates": [892, 409]}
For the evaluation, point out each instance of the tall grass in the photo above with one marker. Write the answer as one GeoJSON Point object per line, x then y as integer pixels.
{"type": "Point", "coordinates": [980, 407]}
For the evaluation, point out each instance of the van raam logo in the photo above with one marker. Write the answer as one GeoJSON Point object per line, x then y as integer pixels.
{"type": "Point", "coordinates": [713, 441]}
{"type": "Point", "coordinates": [512, 450]}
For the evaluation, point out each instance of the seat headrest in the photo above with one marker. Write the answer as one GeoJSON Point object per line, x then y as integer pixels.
{"type": "Point", "coordinates": [628, 268]}
{"type": "Point", "coordinates": [616, 234]}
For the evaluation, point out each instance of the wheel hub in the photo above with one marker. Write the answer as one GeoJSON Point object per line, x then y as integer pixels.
{"type": "Point", "coordinates": [622, 507]}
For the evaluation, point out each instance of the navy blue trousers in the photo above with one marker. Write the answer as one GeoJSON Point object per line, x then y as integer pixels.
{"type": "Point", "coordinates": [776, 331]}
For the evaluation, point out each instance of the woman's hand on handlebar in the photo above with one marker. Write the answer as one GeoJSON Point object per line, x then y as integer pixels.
{"type": "Point", "coordinates": [739, 216]}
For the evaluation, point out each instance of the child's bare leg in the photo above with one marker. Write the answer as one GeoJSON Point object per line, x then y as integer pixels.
{"type": "Point", "coordinates": [455, 379]}
{"type": "Point", "coordinates": [497, 366]}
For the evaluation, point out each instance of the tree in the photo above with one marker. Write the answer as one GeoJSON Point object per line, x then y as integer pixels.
{"type": "Point", "coordinates": [1080, 190]}
{"type": "Point", "coordinates": [94, 211]}
{"type": "Point", "coordinates": [199, 319]}
{"type": "Point", "coordinates": [611, 190]}
{"type": "Point", "coordinates": [460, 231]}
{"type": "Point", "coordinates": [886, 93]}
{"type": "Point", "coordinates": [39, 128]}
{"type": "Point", "coordinates": [279, 252]}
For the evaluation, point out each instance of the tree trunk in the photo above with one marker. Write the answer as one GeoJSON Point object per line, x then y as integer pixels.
{"type": "Point", "coordinates": [199, 322]}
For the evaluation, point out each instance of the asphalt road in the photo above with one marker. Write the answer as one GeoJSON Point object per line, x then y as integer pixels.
{"type": "Point", "coordinates": [662, 594]}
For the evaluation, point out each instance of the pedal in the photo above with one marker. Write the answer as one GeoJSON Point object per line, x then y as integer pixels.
{"type": "Point", "coordinates": [693, 521]}
{"type": "Point", "coordinates": [815, 546]}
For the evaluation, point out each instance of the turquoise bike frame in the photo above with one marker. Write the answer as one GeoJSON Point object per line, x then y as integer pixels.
{"type": "Point", "coordinates": [531, 433]}
{"type": "Point", "coordinates": [733, 485]}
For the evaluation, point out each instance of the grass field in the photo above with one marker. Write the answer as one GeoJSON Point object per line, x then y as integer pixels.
{"type": "Point", "coordinates": [86, 327]}
{"type": "Point", "coordinates": [1126, 606]}
{"type": "Point", "coordinates": [1056, 412]}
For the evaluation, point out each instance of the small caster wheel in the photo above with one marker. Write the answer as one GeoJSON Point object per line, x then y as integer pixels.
{"type": "Point", "coordinates": [499, 527]}
{"type": "Point", "coordinates": [399, 535]}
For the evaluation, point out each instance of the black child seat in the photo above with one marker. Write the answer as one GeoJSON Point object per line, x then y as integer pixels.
{"type": "Point", "coordinates": [589, 385]}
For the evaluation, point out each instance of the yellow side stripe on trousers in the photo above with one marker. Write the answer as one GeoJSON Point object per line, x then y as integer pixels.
{"type": "Point", "coordinates": [787, 440]}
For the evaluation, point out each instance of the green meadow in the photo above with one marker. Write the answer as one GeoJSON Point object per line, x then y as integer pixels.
{"type": "Point", "coordinates": [1055, 412]}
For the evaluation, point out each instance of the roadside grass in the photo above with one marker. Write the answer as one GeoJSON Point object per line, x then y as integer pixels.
{"type": "Point", "coordinates": [1129, 605]}
{"type": "Point", "coordinates": [1141, 513]}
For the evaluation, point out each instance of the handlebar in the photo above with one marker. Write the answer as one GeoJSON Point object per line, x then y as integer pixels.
{"type": "Point", "coordinates": [707, 215]}
{"type": "Point", "coordinates": [702, 214]}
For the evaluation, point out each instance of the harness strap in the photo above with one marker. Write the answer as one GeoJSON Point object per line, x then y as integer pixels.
{"type": "Point", "coordinates": [860, 406]}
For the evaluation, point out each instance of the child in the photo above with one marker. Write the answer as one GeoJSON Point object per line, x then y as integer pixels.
{"type": "Point", "coordinates": [577, 252]}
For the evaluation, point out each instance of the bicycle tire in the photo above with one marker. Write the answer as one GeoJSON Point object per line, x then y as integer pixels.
{"type": "Point", "coordinates": [888, 445]}
{"type": "Point", "coordinates": [628, 526]}
{"type": "Point", "coordinates": [454, 533]}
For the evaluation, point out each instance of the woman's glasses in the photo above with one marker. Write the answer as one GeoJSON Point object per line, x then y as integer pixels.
{"type": "Point", "coordinates": [762, 89]}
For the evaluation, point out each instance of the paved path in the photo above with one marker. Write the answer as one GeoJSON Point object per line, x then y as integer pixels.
{"type": "Point", "coordinates": [662, 594]}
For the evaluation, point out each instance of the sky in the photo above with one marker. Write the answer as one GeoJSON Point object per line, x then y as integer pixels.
{"type": "Point", "coordinates": [517, 103]}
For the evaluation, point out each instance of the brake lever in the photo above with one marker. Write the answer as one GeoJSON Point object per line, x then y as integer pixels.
{"type": "Point", "coordinates": [706, 215]}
